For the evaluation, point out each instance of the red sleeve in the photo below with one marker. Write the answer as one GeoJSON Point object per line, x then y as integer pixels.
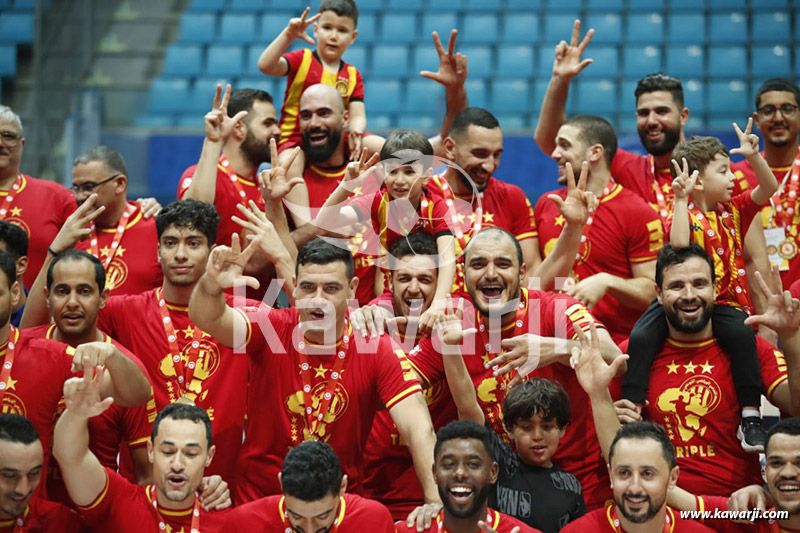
{"type": "Point", "coordinates": [621, 164]}
{"type": "Point", "coordinates": [294, 59]}
{"type": "Point", "coordinates": [552, 306]}
{"type": "Point", "coordinates": [118, 496]}
{"type": "Point", "coordinates": [137, 423]}
{"type": "Point", "coordinates": [267, 326]}
{"type": "Point", "coordinates": [441, 218]}
{"type": "Point", "coordinates": [112, 317]}
{"type": "Point", "coordinates": [524, 222]}
{"type": "Point", "coordinates": [358, 91]}
{"type": "Point", "coordinates": [366, 206]}
{"type": "Point", "coordinates": [396, 377]}
{"type": "Point", "coordinates": [427, 361]}
{"type": "Point", "coordinates": [185, 181]}
{"type": "Point", "coordinates": [773, 366]}
{"type": "Point", "coordinates": [748, 209]}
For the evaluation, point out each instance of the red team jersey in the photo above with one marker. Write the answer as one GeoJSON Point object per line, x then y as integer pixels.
{"type": "Point", "coordinates": [503, 205]}
{"type": "Point", "coordinates": [624, 231]}
{"type": "Point", "coordinates": [41, 516]}
{"type": "Point", "coordinates": [134, 267]}
{"type": "Point", "coordinates": [219, 382]}
{"type": "Point", "coordinates": [355, 514]}
{"type": "Point", "coordinates": [729, 224]}
{"type": "Point", "coordinates": [691, 395]}
{"type": "Point", "coordinates": [40, 207]}
{"type": "Point", "coordinates": [305, 70]}
{"type": "Point", "coordinates": [123, 507]}
{"type": "Point", "coordinates": [605, 520]}
{"type": "Point", "coordinates": [638, 174]}
{"type": "Point", "coordinates": [373, 375]}
{"type": "Point", "coordinates": [226, 196]}
{"type": "Point", "coordinates": [494, 519]}
{"type": "Point", "coordinates": [548, 315]}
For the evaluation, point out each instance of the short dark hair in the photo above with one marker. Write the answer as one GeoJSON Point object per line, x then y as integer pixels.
{"type": "Point", "coordinates": [698, 151]}
{"type": "Point", "coordinates": [596, 130]}
{"type": "Point", "coordinates": [779, 85]}
{"type": "Point", "coordinates": [321, 252]}
{"type": "Point", "coordinates": [77, 255]}
{"type": "Point", "coordinates": [413, 244]}
{"type": "Point", "coordinates": [660, 82]}
{"type": "Point", "coordinates": [472, 116]}
{"type": "Point", "coordinates": [111, 159]}
{"type": "Point", "coordinates": [184, 411]}
{"type": "Point", "coordinates": [15, 239]}
{"type": "Point", "coordinates": [785, 426]}
{"type": "Point", "coordinates": [668, 256]}
{"type": "Point", "coordinates": [189, 214]}
{"type": "Point", "coordinates": [502, 232]}
{"type": "Point", "coordinates": [243, 99]}
{"type": "Point", "coordinates": [17, 428]}
{"type": "Point", "coordinates": [463, 429]}
{"type": "Point", "coordinates": [343, 8]}
{"type": "Point", "coordinates": [9, 267]}
{"type": "Point", "coordinates": [539, 396]}
{"type": "Point", "coordinates": [406, 145]}
{"type": "Point", "coordinates": [311, 471]}
{"type": "Point", "coordinates": [645, 430]}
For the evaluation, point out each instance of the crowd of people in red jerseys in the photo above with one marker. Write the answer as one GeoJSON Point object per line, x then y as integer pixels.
{"type": "Point", "coordinates": [452, 357]}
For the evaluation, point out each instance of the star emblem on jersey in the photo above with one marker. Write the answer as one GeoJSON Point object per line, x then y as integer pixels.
{"type": "Point", "coordinates": [689, 368]}
{"type": "Point", "coordinates": [672, 368]}
{"type": "Point", "coordinates": [706, 367]}
{"type": "Point", "coordinates": [559, 220]}
{"type": "Point", "coordinates": [11, 383]}
{"type": "Point", "coordinates": [16, 211]}
{"type": "Point", "coordinates": [320, 371]}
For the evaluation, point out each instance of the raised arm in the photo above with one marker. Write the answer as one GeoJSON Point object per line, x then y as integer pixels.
{"type": "Point", "coordinates": [270, 62]}
{"type": "Point", "coordinates": [458, 379]}
{"type": "Point", "coordinates": [124, 381]}
{"type": "Point", "coordinates": [413, 422]}
{"type": "Point", "coordinates": [767, 184]}
{"type": "Point", "coordinates": [683, 185]}
{"type": "Point", "coordinates": [567, 64]}
{"type": "Point", "coordinates": [635, 293]}
{"type": "Point", "coordinates": [84, 476]}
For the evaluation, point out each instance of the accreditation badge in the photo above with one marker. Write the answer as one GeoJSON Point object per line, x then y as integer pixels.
{"type": "Point", "coordinates": [779, 248]}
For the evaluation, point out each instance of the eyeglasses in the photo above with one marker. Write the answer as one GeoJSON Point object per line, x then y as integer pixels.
{"type": "Point", "coordinates": [787, 110]}
{"type": "Point", "coordinates": [90, 187]}
{"type": "Point", "coordinates": [9, 139]}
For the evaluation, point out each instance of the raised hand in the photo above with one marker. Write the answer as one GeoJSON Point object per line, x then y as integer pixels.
{"type": "Point", "coordinates": [782, 313]}
{"type": "Point", "coordinates": [76, 227]}
{"type": "Point", "coordinates": [452, 66]}
{"type": "Point", "coordinates": [360, 166]}
{"type": "Point", "coordinates": [82, 395]}
{"type": "Point", "coordinates": [593, 373]}
{"type": "Point", "coordinates": [683, 184]}
{"type": "Point", "coordinates": [218, 124]}
{"type": "Point", "coordinates": [226, 264]}
{"type": "Point", "coordinates": [354, 144]}
{"type": "Point", "coordinates": [568, 63]}
{"type": "Point", "coordinates": [260, 228]}
{"type": "Point", "coordinates": [575, 208]}
{"type": "Point", "coordinates": [449, 328]}
{"type": "Point", "coordinates": [296, 29]}
{"type": "Point", "coordinates": [273, 182]}
{"type": "Point", "coordinates": [748, 141]}
{"type": "Point", "coordinates": [214, 494]}
{"type": "Point", "coordinates": [150, 206]}
{"type": "Point", "coordinates": [92, 354]}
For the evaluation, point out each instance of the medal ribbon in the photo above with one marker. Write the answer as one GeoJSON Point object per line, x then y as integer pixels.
{"type": "Point", "coordinates": [522, 309]}
{"type": "Point", "coordinates": [10, 196]}
{"type": "Point", "coordinates": [612, 516]}
{"type": "Point", "coordinates": [162, 526]}
{"type": "Point", "coordinates": [462, 238]}
{"type": "Point", "coordinates": [661, 200]}
{"type": "Point", "coordinates": [121, 226]}
{"type": "Point", "coordinates": [384, 209]}
{"type": "Point", "coordinates": [713, 238]}
{"type": "Point", "coordinates": [183, 373]}
{"type": "Point", "coordinates": [312, 421]}
{"type": "Point", "coordinates": [610, 186]}
{"type": "Point", "coordinates": [784, 206]}
{"type": "Point", "coordinates": [8, 363]}
{"type": "Point", "coordinates": [225, 166]}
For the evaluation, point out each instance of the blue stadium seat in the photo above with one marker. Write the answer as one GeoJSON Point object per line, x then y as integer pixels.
{"type": "Point", "coordinates": [694, 96]}
{"type": "Point", "coordinates": [520, 28]}
{"type": "Point", "coordinates": [183, 60]}
{"type": "Point", "coordinates": [251, 60]}
{"type": "Point", "coordinates": [206, 5]}
{"type": "Point", "coordinates": [544, 61]}
{"type": "Point", "coordinates": [16, 27]}
{"type": "Point", "coordinates": [526, 5]}
{"type": "Point", "coordinates": [274, 87]}
{"type": "Point", "coordinates": [190, 121]}
{"type": "Point", "coordinates": [641, 60]}
{"type": "Point", "coordinates": [727, 97]}
{"type": "Point", "coordinates": [447, 5]}
{"type": "Point", "coordinates": [777, 4]}
{"type": "Point", "coordinates": [480, 61]}
{"type": "Point", "coordinates": [8, 60]}
{"type": "Point", "coordinates": [366, 5]}
{"type": "Point", "coordinates": [594, 6]}
{"type": "Point", "coordinates": [626, 97]}
{"type": "Point", "coordinates": [154, 121]}
{"type": "Point", "coordinates": [606, 62]}
{"type": "Point", "coordinates": [557, 27]}
{"type": "Point", "coordinates": [398, 28]}
{"type": "Point", "coordinates": [197, 28]}
{"type": "Point", "coordinates": [650, 6]}
{"type": "Point", "coordinates": [573, 6]}
{"type": "Point", "coordinates": [607, 28]}
{"type": "Point", "coordinates": [685, 61]}
{"type": "Point", "coordinates": [357, 56]}
{"type": "Point", "coordinates": [686, 28]}
{"type": "Point", "coordinates": [424, 96]}
{"type": "Point", "coordinates": [296, 5]}
{"type": "Point", "coordinates": [687, 5]}
{"type": "Point", "coordinates": [510, 95]}
{"type": "Point", "coordinates": [721, 59]}
{"type": "Point", "coordinates": [484, 5]}
{"type": "Point", "coordinates": [770, 61]}
{"type": "Point", "coordinates": [645, 28]}
{"type": "Point", "coordinates": [273, 22]}
{"type": "Point", "coordinates": [727, 5]}
{"type": "Point", "coordinates": [367, 28]}
{"type": "Point", "coordinates": [249, 6]}
{"type": "Point", "coordinates": [441, 23]}
{"type": "Point", "coordinates": [512, 122]}
{"type": "Point", "coordinates": [237, 28]}
{"type": "Point", "coordinates": [385, 97]}
{"type": "Point", "coordinates": [224, 60]}
{"type": "Point", "coordinates": [539, 88]}
{"type": "Point", "coordinates": [426, 58]}
{"type": "Point", "coordinates": [168, 96]}
{"type": "Point", "coordinates": [771, 27]}
{"type": "Point", "coordinates": [476, 91]}
{"type": "Point", "coordinates": [201, 95]}
{"type": "Point", "coordinates": [727, 27]}
{"type": "Point", "coordinates": [597, 97]}
{"type": "Point", "coordinates": [479, 28]}
{"type": "Point", "coordinates": [417, 122]}
{"type": "Point", "coordinates": [403, 5]}
{"type": "Point", "coordinates": [381, 121]}
{"type": "Point", "coordinates": [390, 60]}
{"type": "Point", "coordinates": [514, 60]}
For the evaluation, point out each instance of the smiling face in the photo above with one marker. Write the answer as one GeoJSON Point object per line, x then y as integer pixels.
{"type": "Point", "coordinates": [413, 284]}
{"type": "Point", "coordinates": [464, 472]}
{"type": "Point", "coordinates": [571, 149]}
{"type": "Point", "coordinates": [687, 294]}
{"type": "Point", "coordinates": [334, 33]}
{"type": "Point", "coordinates": [183, 253]}
{"type": "Point", "coordinates": [321, 295]}
{"type": "Point", "coordinates": [262, 125]}
{"type": "Point", "coordinates": [322, 119]}
{"type": "Point", "coordinates": [180, 455]}
{"type": "Point", "coordinates": [536, 440]}
{"type": "Point", "coordinates": [74, 298]}
{"type": "Point", "coordinates": [20, 473]}
{"type": "Point", "coordinates": [478, 152]}
{"type": "Point", "coordinates": [779, 129]}
{"type": "Point", "coordinates": [404, 181]}
{"type": "Point", "coordinates": [717, 180]}
{"type": "Point", "coordinates": [493, 274]}
{"type": "Point", "coordinates": [783, 471]}
{"type": "Point", "coordinates": [659, 122]}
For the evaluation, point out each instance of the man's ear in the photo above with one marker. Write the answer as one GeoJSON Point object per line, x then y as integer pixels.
{"type": "Point", "coordinates": [684, 116]}
{"type": "Point", "coordinates": [345, 119]}
{"type": "Point", "coordinates": [16, 292]}
{"type": "Point", "coordinates": [658, 295]}
{"type": "Point", "coordinates": [493, 473]}
{"type": "Point", "coordinates": [343, 486]}
{"type": "Point", "coordinates": [104, 297]}
{"type": "Point", "coordinates": [280, 481]}
{"type": "Point", "coordinates": [151, 454]}
{"type": "Point", "coordinates": [46, 296]}
{"type": "Point", "coordinates": [353, 286]}
{"type": "Point", "coordinates": [449, 148]}
{"type": "Point", "coordinates": [210, 457]}
{"type": "Point", "coordinates": [596, 153]}
{"type": "Point", "coordinates": [22, 266]}
{"type": "Point", "coordinates": [673, 477]}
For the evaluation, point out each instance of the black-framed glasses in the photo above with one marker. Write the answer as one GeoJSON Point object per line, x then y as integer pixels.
{"type": "Point", "coordinates": [9, 138]}
{"type": "Point", "coordinates": [787, 110]}
{"type": "Point", "coordinates": [90, 187]}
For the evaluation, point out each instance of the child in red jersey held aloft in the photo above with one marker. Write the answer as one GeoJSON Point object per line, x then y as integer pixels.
{"type": "Point", "coordinates": [706, 213]}
{"type": "Point", "coordinates": [335, 30]}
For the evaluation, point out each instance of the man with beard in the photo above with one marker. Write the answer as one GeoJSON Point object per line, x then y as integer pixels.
{"type": "Point", "coordinates": [464, 471]}
{"type": "Point", "coordinates": [14, 240]}
{"type": "Point", "coordinates": [615, 266]}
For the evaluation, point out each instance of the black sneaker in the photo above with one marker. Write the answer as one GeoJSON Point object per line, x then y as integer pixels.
{"type": "Point", "coordinates": [752, 434]}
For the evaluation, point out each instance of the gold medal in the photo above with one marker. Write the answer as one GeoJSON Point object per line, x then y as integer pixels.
{"type": "Point", "coordinates": [185, 399]}
{"type": "Point", "coordinates": [787, 249]}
